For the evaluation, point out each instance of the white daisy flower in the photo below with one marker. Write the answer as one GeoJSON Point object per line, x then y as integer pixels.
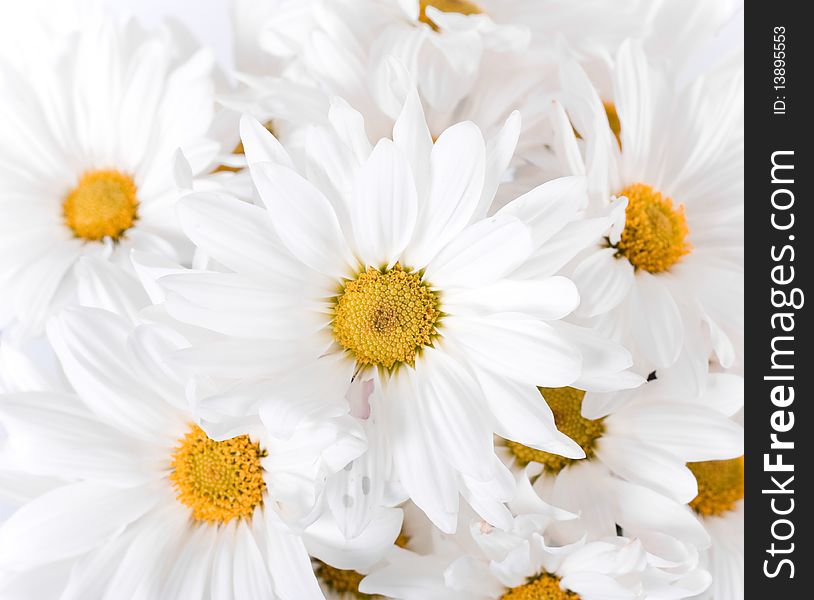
{"type": "Point", "coordinates": [86, 139]}
{"type": "Point", "coordinates": [635, 473]}
{"type": "Point", "coordinates": [469, 61]}
{"type": "Point", "coordinates": [442, 42]}
{"type": "Point", "coordinates": [146, 501]}
{"type": "Point", "coordinates": [378, 277]}
{"type": "Point", "coordinates": [482, 562]}
{"type": "Point", "coordinates": [668, 278]}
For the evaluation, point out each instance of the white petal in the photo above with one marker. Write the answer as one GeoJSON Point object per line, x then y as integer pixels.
{"type": "Point", "coordinates": [304, 219]}
{"type": "Point", "coordinates": [102, 284]}
{"type": "Point", "coordinates": [604, 362]}
{"type": "Point", "coordinates": [357, 492]}
{"type": "Point", "coordinates": [547, 299]}
{"type": "Point", "coordinates": [317, 390]}
{"type": "Point", "coordinates": [69, 521]}
{"type": "Point", "coordinates": [91, 345]}
{"type": "Point", "coordinates": [643, 510]}
{"type": "Point", "coordinates": [499, 153]}
{"type": "Point", "coordinates": [429, 481]}
{"type": "Point", "coordinates": [239, 306]}
{"type": "Point", "coordinates": [349, 126]}
{"type": "Point", "coordinates": [692, 432]}
{"type": "Point", "coordinates": [724, 393]}
{"type": "Point", "coordinates": [240, 358]}
{"type": "Point", "coordinates": [488, 498]}
{"type": "Point", "coordinates": [412, 137]}
{"type": "Point", "coordinates": [260, 145]}
{"type": "Point", "coordinates": [597, 585]}
{"type": "Point", "coordinates": [481, 254]}
{"type": "Point", "coordinates": [563, 246]}
{"type": "Point", "coordinates": [549, 207]}
{"type": "Point", "coordinates": [240, 236]}
{"type": "Point", "coordinates": [522, 349]}
{"type": "Point", "coordinates": [456, 172]}
{"type": "Point", "coordinates": [222, 563]}
{"type": "Point", "coordinates": [451, 404]}
{"type": "Point", "coordinates": [522, 415]}
{"type": "Point", "coordinates": [252, 579]}
{"type": "Point", "coordinates": [289, 563]}
{"type": "Point", "coordinates": [632, 92]}
{"type": "Point", "coordinates": [191, 567]}
{"type": "Point", "coordinates": [656, 320]}
{"type": "Point", "coordinates": [384, 206]}
{"type": "Point", "coordinates": [53, 434]}
{"type": "Point", "coordinates": [648, 465]}
{"type": "Point", "coordinates": [603, 282]}
{"type": "Point", "coordinates": [325, 541]}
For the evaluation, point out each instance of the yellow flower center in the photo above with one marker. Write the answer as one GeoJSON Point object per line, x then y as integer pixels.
{"type": "Point", "coordinates": [654, 237]}
{"type": "Point", "coordinates": [385, 318]}
{"type": "Point", "coordinates": [566, 404]}
{"type": "Point", "coordinates": [720, 485]}
{"type": "Point", "coordinates": [218, 481]}
{"type": "Point", "coordinates": [103, 204]}
{"type": "Point", "coordinates": [463, 7]}
{"type": "Point", "coordinates": [542, 587]}
{"type": "Point", "coordinates": [613, 120]}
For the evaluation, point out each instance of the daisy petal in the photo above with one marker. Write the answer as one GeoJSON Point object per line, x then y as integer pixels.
{"type": "Point", "coordinates": [549, 207]}
{"type": "Point", "coordinates": [522, 415]}
{"type": "Point", "coordinates": [656, 320]}
{"type": "Point", "coordinates": [548, 299]}
{"type": "Point", "coordinates": [289, 565]}
{"type": "Point", "coordinates": [480, 254]}
{"type": "Point", "coordinates": [251, 577]}
{"type": "Point", "coordinates": [384, 206]}
{"type": "Point", "coordinates": [452, 405]}
{"type": "Point", "coordinates": [69, 521]}
{"type": "Point", "coordinates": [603, 282]}
{"type": "Point", "coordinates": [429, 481]}
{"type": "Point", "coordinates": [260, 145]}
{"type": "Point", "coordinates": [457, 173]}
{"type": "Point", "coordinates": [648, 465]}
{"type": "Point", "coordinates": [304, 219]}
{"type": "Point", "coordinates": [518, 348]}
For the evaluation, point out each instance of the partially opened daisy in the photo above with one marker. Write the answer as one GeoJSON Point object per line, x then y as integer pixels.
{"type": "Point", "coordinates": [482, 562]}
{"type": "Point", "coordinates": [86, 144]}
{"type": "Point", "coordinates": [379, 268]}
{"type": "Point", "coordinates": [635, 474]}
{"type": "Point", "coordinates": [142, 499]}
{"type": "Point", "coordinates": [667, 279]}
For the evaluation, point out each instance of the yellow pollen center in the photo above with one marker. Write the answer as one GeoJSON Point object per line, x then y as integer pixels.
{"type": "Point", "coordinates": [385, 318]}
{"type": "Point", "coordinates": [341, 581]}
{"type": "Point", "coordinates": [566, 405]}
{"type": "Point", "coordinates": [218, 481]}
{"type": "Point", "coordinates": [613, 121]}
{"type": "Point", "coordinates": [103, 204]}
{"type": "Point", "coordinates": [720, 486]}
{"type": "Point", "coordinates": [542, 587]}
{"type": "Point", "coordinates": [655, 233]}
{"type": "Point", "coordinates": [463, 7]}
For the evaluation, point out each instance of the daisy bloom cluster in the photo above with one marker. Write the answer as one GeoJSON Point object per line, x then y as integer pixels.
{"type": "Point", "coordinates": [415, 299]}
